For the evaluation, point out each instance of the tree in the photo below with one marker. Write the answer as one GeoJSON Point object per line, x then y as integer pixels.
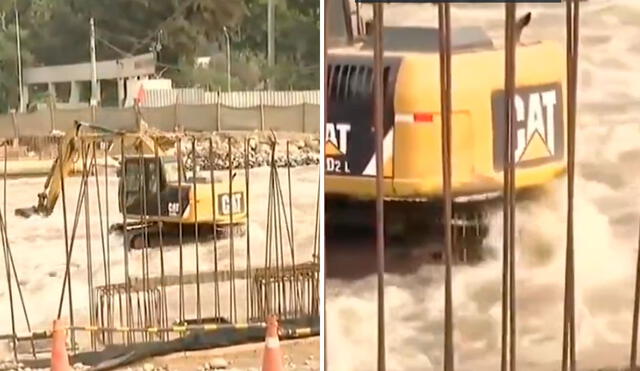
{"type": "Point", "coordinates": [297, 41]}
{"type": "Point", "coordinates": [246, 73]}
{"type": "Point", "coordinates": [127, 27]}
{"type": "Point", "coordinates": [9, 64]}
{"type": "Point", "coordinates": [57, 32]}
{"type": "Point", "coordinates": [182, 26]}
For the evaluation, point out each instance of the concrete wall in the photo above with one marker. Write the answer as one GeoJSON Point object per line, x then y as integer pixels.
{"type": "Point", "coordinates": [193, 117]}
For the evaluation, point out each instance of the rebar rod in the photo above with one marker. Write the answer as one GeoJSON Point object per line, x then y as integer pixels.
{"type": "Point", "coordinates": [61, 156]}
{"type": "Point", "coordinates": [6, 261]}
{"type": "Point", "coordinates": [195, 213]}
{"type": "Point", "coordinates": [146, 300]}
{"type": "Point", "coordinates": [180, 226]}
{"type": "Point", "coordinates": [233, 314]}
{"type": "Point", "coordinates": [247, 171]}
{"type": "Point", "coordinates": [568, 337]}
{"type": "Point", "coordinates": [378, 116]}
{"type": "Point", "coordinates": [164, 309]}
{"type": "Point", "coordinates": [216, 285]}
{"type": "Point", "coordinates": [87, 225]}
{"type": "Point", "coordinates": [445, 107]}
{"type": "Point", "coordinates": [126, 247]}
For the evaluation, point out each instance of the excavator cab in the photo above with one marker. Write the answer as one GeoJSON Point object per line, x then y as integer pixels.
{"type": "Point", "coordinates": [143, 180]}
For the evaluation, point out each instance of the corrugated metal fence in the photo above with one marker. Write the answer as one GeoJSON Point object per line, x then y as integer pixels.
{"type": "Point", "coordinates": [192, 109]}
{"type": "Point", "coordinates": [237, 99]}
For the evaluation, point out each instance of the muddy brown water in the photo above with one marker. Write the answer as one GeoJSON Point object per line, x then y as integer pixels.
{"type": "Point", "coordinates": [606, 228]}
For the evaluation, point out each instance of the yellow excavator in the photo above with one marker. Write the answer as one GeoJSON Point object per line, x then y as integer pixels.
{"type": "Point", "coordinates": [412, 122]}
{"type": "Point", "coordinates": [159, 200]}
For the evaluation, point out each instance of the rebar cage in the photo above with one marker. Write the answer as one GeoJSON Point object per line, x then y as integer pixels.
{"type": "Point", "coordinates": [148, 300]}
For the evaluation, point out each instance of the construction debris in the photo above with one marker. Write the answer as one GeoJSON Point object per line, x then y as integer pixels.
{"type": "Point", "coordinates": [303, 150]}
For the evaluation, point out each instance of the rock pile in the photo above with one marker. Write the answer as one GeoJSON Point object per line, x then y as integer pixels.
{"type": "Point", "coordinates": [303, 150]}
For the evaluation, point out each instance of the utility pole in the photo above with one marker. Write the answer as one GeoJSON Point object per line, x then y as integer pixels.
{"type": "Point", "coordinates": [94, 71]}
{"type": "Point", "coordinates": [226, 34]}
{"type": "Point", "coordinates": [19, 54]}
{"type": "Point", "coordinates": [271, 57]}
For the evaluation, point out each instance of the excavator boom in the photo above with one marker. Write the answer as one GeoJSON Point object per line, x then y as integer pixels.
{"type": "Point", "coordinates": [62, 166]}
{"type": "Point", "coordinates": [70, 149]}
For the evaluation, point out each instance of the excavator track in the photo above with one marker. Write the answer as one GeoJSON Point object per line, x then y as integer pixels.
{"type": "Point", "coordinates": [151, 235]}
{"type": "Point", "coordinates": [415, 223]}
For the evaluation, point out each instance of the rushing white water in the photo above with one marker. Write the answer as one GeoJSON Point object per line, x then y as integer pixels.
{"type": "Point", "coordinates": [607, 189]}
{"type": "Point", "coordinates": [38, 248]}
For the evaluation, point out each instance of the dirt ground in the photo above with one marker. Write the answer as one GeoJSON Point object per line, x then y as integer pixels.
{"type": "Point", "coordinates": [302, 354]}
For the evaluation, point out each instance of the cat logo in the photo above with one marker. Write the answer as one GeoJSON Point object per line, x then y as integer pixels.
{"type": "Point", "coordinates": [538, 125]}
{"type": "Point", "coordinates": [236, 202]}
{"type": "Point", "coordinates": [535, 126]}
{"type": "Point", "coordinates": [335, 148]}
{"type": "Point", "coordinates": [336, 139]}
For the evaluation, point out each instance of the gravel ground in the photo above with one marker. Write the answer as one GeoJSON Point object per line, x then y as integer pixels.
{"type": "Point", "coordinates": [303, 354]}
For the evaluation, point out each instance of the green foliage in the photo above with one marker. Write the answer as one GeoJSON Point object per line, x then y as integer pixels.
{"type": "Point", "coordinates": [246, 73]}
{"type": "Point", "coordinates": [297, 41]}
{"type": "Point", "coordinates": [57, 32]}
{"type": "Point", "coordinates": [9, 69]}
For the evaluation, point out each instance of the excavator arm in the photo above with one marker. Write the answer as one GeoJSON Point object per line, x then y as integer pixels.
{"type": "Point", "coordinates": [63, 165]}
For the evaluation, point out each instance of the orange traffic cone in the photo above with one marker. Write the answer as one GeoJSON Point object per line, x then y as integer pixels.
{"type": "Point", "coordinates": [272, 359]}
{"type": "Point", "coordinates": [59, 357]}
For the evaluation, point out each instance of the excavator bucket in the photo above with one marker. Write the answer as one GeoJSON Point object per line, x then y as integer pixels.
{"type": "Point", "coordinates": [27, 212]}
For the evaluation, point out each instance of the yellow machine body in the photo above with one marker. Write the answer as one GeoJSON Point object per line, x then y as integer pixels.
{"type": "Point", "coordinates": [412, 128]}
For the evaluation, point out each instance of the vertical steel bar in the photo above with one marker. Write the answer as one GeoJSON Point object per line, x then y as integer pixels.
{"type": "Point", "coordinates": [232, 284]}
{"type": "Point", "coordinates": [636, 310]}
{"type": "Point", "coordinates": [163, 309]}
{"type": "Point", "coordinates": [316, 234]}
{"type": "Point", "coordinates": [5, 251]}
{"type": "Point", "coordinates": [145, 236]}
{"type": "Point", "coordinates": [61, 157]}
{"type": "Point", "coordinates": [5, 239]}
{"type": "Point", "coordinates": [510, 85]}
{"type": "Point", "coordinates": [445, 104]}
{"type": "Point", "coordinates": [269, 237]}
{"type": "Point", "coordinates": [105, 267]}
{"type": "Point", "coordinates": [506, 240]}
{"type": "Point", "coordinates": [197, 226]}
{"type": "Point", "coordinates": [291, 232]}
{"type": "Point", "coordinates": [247, 171]}
{"type": "Point", "coordinates": [282, 212]}
{"type": "Point", "coordinates": [568, 338]}
{"type": "Point", "coordinates": [378, 117]}
{"type": "Point", "coordinates": [506, 350]}
{"type": "Point", "coordinates": [314, 287]}
{"type": "Point", "coordinates": [87, 224]}
{"type": "Point", "coordinates": [148, 298]}
{"type": "Point", "coordinates": [4, 184]}
{"type": "Point", "coordinates": [120, 310]}
{"type": "Point", "coordinates": [179, 216]}
{"type": "Point", "coordinates": [326, 109]}
{"type": "Point", "coordinates": [216, 284]}
{"type": "Point", "coordinates": [279, 241]}
{"type": "Point", "coordinates": [110, 299]}
{"type": "Point", "coordinates": [574, 87]}
{"type": "Point", "coordinates": [123, 203]}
